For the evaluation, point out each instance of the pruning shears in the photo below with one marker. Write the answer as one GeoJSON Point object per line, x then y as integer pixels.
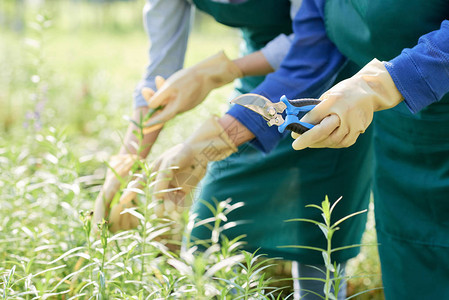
{"type": "Point", "coordinates": [272, 112]}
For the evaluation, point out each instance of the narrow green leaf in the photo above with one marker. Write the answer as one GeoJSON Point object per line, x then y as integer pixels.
{"type": "Point", "coordinates": [312, 292]}
{"type": "Point", "coordinates": [349, 216]}
{"type": "Point", "coordinates": [324, 229]}
{"type": "Point", "coordinates": [303, 247]}
{"type": "Point", "coordinates": [315, 206]}
{"type": "Point", "coordinates": [352, 246]}
{"type": "Point", "coordinates": [305, 220]}
{"type": "Point", "coordinates": [364, 292]}
{"type": "Point", "coordinates": [335, 204]}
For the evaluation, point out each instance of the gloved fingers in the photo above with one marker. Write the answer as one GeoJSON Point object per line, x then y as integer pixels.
{"type": "Point", "coordinates": [166, 185]}
{"type": "Point", "coordinates": [121, 164]}
{"type": "Point", "coordinates": [155, 165]}
{"type": "Point", "coordinates": [163, 162]}
{"type": "Point", "coordinates": [334, 139]}
{"type": "Point", "coordinates": [320, 111]}
{"type": "Point", "coordinates": [159, 209]}
{"type": "Point", "coordinates": [162, 97]}
{"type": "Point", "coordinates": [99, 210]}
{"type": "Point", "coordinates": [295, 135]}
{"type": "Point", "coordinates": [109, 188]}
{"type": "Point", "coordinates": [128, 221]}
{"type": "Point", "coordinates": [159, 80]}
{"type": "Point", "coordinates": [147, 93]}
{"type": "Point", "coordinates": [173, 200]}
{"type": "Point", "coordinates": [350, 138]}
{"type": "Point", "coordinates": [318, 133]}
{"type": "Point", "coordinates": [123, 221]}
{"type": "Point", "coordinates": [188, 180]}
{"type": "Point", "coordinates": [316, 115]}
{"type": "Point", "coordinates": [152, 128]}
{"type": "Point", "coordinates": [114, 218]}
{"type": "Point", "coordinates": [169, 205]}
{"type": "Point", "coordinates": [167, 113]}
{"type": "Point", "coordinates": [328, 143]}
{"type": "Point", "coordinates": [348, 141]}
{"type": "Point", "coordinates": [127, 198]}
{"type": "Point", "coordinates": [104, 198]}
{"type": "Point", "coordinates": [349, 130]}
{"type": "Point", "coordinates": [162, 182]}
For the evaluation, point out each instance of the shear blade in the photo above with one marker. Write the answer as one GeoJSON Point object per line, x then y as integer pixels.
{"type": "Point", "coordinates": [256, 103]}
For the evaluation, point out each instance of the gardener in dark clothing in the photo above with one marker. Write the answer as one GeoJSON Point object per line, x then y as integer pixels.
{"type": "Point", "coordinates": [273, 180]}
{"type": "Point", "coordinates": [411, 140]}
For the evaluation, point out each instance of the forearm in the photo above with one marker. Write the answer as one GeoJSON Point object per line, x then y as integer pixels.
{"type": "Point", "coordinates": [167, 26]}
{"type": "Point", "coordinates": [135, 142]}
{"type": "Point", "coordinates": [236, 131]}
{"type": "Point", "coordinates": [421, 73]}
{"type": "Point", "coordinates": [310, 67]}
{"type": "Point", "coordinates": [254, 64]}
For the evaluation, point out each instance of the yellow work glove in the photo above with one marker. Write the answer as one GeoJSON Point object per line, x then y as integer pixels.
{"type": "Point", "coordinates": [125, 221]}
{"type": "Point", "coordinates": [347, 108]}
{"type": "Point", "coordinates": [189, 87]}
{"type": "Point", "coordinates": [184, 165]}
{"type": "Point", "coordinates": [121, 164]}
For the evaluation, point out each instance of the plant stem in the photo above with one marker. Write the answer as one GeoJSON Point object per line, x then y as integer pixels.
{"type": "Point", "coordinates": [329, 249]}
{"type": "Point", "coordinates": [144, 237]}
{"type": "Point", "coordinates": [104, 242]}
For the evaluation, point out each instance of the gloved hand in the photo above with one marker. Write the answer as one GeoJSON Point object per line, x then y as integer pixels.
{"type": "Point", "coordinates": [121, 164]}
{"type": "Point", "coordinates": [125, 221]}
{"type": "Point", "coordinates": [184, 165]}
{"type": "Point", "coordinates": [347, 108]}
{"type": "Point", "coordinates": [189, 87]}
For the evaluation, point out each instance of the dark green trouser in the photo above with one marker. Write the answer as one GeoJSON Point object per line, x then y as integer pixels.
{"type": "Point", "coordinates": [411, 151]}
{"type": "Point", "coordinates": [278, 186]}
{"type": "Point", "coordinates": [412, 202]}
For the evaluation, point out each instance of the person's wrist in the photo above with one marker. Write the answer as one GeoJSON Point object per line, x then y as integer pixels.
{"type": "Point", "coordinates": [235, 69]}
{"type": "Point", "coordinates": [379, 80]}
{"type": "Point", "coordinates": [236, 131]}
{"type": "Point", "coordinates": [218, 70]}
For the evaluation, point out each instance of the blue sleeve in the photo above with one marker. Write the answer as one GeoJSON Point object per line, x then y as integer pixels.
{"type": "Point", "coordinates": [167, 27]}
{"type": "Point", "coordinates": [421, 74]}
{"type": "Point", "coordinates": [277, 49]}
{"type": "Point", "coordinates": [309, 69]}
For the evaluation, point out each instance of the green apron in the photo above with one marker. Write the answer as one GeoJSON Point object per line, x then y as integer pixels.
{"type": "Point", "coordinates": [260, 21]}
{"type": "Point", "coordinates": [411, 187]}
{"type": "Point", "coordinates": [277, 186]}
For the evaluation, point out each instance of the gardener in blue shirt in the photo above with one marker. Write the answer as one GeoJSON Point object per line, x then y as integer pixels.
{"type": "Point", "coordinates": [411, 140]}
{"type": "Point", "coordinates": [272, 180]}
{"type": "Point", "coordinates": [411, 188]}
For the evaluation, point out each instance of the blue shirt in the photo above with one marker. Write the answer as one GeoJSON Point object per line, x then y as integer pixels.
{"type": "Point", "coordinates": [421, 74]}
{"type": "Point", "coordinates": [167, 25]}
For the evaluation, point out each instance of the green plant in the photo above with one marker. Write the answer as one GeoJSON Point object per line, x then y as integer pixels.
{"type": "Point", "coordinates": [331, 284]}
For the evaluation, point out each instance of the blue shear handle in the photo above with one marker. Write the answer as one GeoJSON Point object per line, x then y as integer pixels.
{"type": "Point", "coordinates": [295, 110]}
